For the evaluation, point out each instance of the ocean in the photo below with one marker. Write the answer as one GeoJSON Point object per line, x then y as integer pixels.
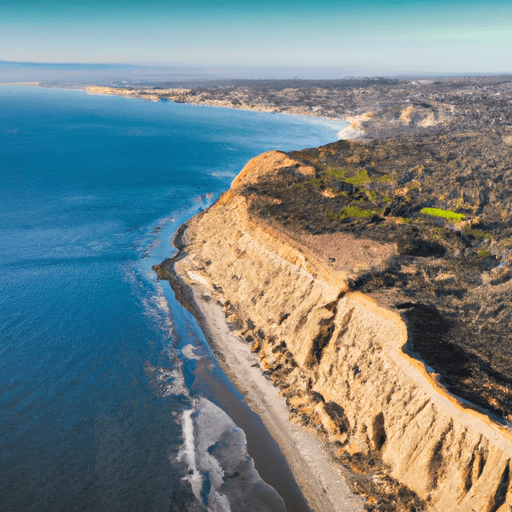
{"type": "Point", "coordinates": [97, 381]}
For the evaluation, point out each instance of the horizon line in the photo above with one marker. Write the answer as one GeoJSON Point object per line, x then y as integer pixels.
{"type": "Point", "coordinates": [359, 70]}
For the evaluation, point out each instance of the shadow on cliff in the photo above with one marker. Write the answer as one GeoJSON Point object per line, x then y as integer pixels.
{"type": "Point", "coordinates": [437, 338]}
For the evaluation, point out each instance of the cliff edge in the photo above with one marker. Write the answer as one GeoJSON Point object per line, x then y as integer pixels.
{"type": "Point", "coordinates": [349, 273]}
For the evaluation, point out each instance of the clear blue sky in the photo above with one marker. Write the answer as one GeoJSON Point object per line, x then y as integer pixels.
{"type": "Point", "coordinates": [408, 36]}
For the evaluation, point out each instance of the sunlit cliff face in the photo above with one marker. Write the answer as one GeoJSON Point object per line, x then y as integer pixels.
{"type": "Point", "coordinates": [336, 354]}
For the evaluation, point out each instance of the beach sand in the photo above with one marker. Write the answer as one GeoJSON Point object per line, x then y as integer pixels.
{"type": "Point", "coordinates": [322, 482]}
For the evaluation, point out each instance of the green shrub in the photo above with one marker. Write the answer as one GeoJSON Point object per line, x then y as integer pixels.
{"type": "Point", "coordinates": [372, 195]}
{"type": "Point", "coordinates": [483, 253]}
{"type": "Point", "coordinates": [480, 234]}
{"type": "Point", "coordinates": [352, 176]}
{"type": "Point", "coordinates": [359, 178]}
{"type": "Point", "coordinates": [355, 212]}
{"type": "Point", "coordinates": [445, 214]}
{"type": "Point", "coordinates": [315, 182]}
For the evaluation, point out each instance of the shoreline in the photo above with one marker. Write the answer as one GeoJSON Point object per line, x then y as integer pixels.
{"type": "Point", "coordinates": [323, 485]}
{"type": "Point", "coordinates": [338, 357]}
{"type": "Point", "coordinates": [159, 96]}
{"type": "Point", "coordinates": [10, 84]}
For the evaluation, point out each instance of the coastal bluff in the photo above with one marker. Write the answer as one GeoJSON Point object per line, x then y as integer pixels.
{"type": "Point", "coordinates": [341, 358]}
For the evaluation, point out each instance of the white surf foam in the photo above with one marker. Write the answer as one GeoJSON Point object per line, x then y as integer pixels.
{"type": "Point", "coordinates": [215, 451]}
{"type": "Point", "coordinates": [167, 382]}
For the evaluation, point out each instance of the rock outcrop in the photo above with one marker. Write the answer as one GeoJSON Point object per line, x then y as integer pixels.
{"type": "Point", "coordinates": [338, 356]}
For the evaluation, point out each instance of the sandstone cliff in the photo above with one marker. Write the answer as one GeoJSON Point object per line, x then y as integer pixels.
{"type": "Point", "coordinates": [337, 355]}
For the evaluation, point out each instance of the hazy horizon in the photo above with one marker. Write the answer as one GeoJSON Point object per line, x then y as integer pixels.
{"type": "Point", "coordinates": [140, 74]}
{"type": "Point", "coordinates": [372, 37]}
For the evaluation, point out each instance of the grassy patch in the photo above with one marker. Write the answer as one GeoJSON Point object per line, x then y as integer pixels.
{"type": "Point", "coordinates": [479, 234]}
{"type": "Point", "coordinates": [483, 253]}
{"type": "Point", "coordinates": [359, 177]}
{"type": "Point", "coordinates": [355, 212]}
{"type": "Point", "coordinates": [355, 177]}
{"type": "Point", "coordinates": [372, 195]}
{"type": "Point", "coordinates": [352, 176]}
{"type": "Point", "coordinates": [444, 214]}
{"type": "Point", "coordinates": [352, 212]}
{"type": "Point", "coordinates": [313, 183]}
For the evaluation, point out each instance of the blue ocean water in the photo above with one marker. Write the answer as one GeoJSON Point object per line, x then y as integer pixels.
{"type": "Point", "coordinates": [91, 378]}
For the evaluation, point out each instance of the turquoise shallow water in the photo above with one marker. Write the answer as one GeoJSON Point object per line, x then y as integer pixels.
{"type": "Point", "coordinates": [91, 379]}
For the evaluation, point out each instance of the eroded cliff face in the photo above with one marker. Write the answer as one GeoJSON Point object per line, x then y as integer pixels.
{"type": "Point", "coordinates": [338, 356]}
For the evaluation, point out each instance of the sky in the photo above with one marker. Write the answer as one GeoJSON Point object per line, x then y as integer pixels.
{"type": "Point", "coordinates": [448, 36]}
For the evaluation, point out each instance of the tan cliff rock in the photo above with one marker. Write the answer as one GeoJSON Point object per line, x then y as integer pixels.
{"type": "Point", "coordinates": [394, 117]}
{"type": "Point", "coordinates": [339, 357]}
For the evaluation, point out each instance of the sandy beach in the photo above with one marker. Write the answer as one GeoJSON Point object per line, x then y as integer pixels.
{"type": "Point", "coordinates": [323, 484]}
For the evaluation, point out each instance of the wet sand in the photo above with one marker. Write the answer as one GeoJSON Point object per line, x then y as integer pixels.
{"type": "Point", "coordinates": [270, 463]}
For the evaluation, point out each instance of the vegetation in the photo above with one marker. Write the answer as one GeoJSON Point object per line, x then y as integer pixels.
{"type": "Point", "coordinates": [478, 234]}
{"type": "Point", "coordinates": [352, 212]}
{"type": "Point", "coordinates": [351, 175]}
{"type": "Point", "coordinates": [445, 214]}
{"type": "Point", "coordinates": [437, 233]}
{"type": "Point", "coordinates": [357, 177]}
{"type": "Point", "coordinates": [332, 179]}
{"type": "Point", "coordinates": [372, 195]}
{"type": "Point", "coordinates": [463, 172]}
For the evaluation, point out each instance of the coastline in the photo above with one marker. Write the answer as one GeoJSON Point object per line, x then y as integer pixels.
{"type": "Point", "coordinates": [323, 484]}
{"type": "Point", "coordinates": [337, 356]}
{"type": "Point", "coordinates": [9, 84]}
{"type": "Point", "coordinates": [368, 109]}
{"type": "Point", "coordinates": [221, 335]}
{"type": "Point", "coordinates": [217, 336]}
{"type": "Point", "coordinates": [183, 96]}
